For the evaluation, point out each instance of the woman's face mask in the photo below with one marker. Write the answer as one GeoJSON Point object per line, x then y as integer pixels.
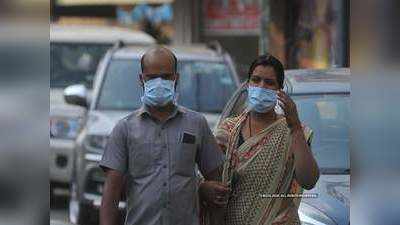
{"type": "Point", "coordinates": [158, 92]}
{"type": "Point", "coordinates": [261, 100]}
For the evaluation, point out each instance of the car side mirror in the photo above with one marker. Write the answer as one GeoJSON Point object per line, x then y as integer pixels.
{"type": "Point", "coordinates": [76, 95]}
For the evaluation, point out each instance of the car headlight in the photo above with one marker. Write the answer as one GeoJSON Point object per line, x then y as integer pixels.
{"type": "Point", "coordinates": [64, 128]}
{"type": "Point", "coordinates": [97, 142]}
{"type": "Point", "coordinates": [312, 216]}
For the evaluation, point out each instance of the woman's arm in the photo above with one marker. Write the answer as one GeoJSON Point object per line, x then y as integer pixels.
{"type": "Point", "coordinates": [306, 168]}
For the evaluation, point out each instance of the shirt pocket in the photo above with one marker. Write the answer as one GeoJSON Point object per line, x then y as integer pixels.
{"type": "Point", "coordinates": [141, 160]}
{"type": "Point", "coordinates": [186, 159]}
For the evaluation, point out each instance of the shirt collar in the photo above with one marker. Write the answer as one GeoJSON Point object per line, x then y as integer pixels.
{"type": "Point", "coordinates": [145, 110]}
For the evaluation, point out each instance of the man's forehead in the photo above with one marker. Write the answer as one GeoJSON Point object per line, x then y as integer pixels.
{"type": "Point", "coordinates": [158, 58]}
{"type": "Point", "coordinates": [158, 52]}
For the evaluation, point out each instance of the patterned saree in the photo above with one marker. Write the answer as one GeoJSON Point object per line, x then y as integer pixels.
{"type": "Point", "coordinates": [260, 172]}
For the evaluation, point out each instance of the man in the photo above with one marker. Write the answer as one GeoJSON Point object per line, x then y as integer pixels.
{"type": "Point", "coordinates": [155, 150]}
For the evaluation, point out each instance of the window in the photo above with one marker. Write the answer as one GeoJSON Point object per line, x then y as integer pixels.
{"type": "Point", "coordinates": [74, 63]}
{"type": "Point", "coordinates": [203, 86]}
{"type": "Point", "coordinates": [328, 117]}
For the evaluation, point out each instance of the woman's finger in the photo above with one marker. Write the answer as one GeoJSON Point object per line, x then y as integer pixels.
{"type": "Point", "coordinates": [282, 102]}
{"type": "Point", "coordinates": [290, 100]}
{"type": "Point", "coordinates": [283, 106]}
{"type": "Point", "coordinates": [283, 98]}
{"type": "Point", "coordinates": [282, 94]}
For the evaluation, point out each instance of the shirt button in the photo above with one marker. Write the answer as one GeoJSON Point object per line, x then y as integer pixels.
{"type": "Point", "coordinates": [165, 166]}
{"type": "Point", "coordinates": [164, 184]}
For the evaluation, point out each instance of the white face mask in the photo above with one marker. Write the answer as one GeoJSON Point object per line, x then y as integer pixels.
{"type": "Point", "coordinates": [261, 99]}
{"type": "Point", "coordinates": [158, 92]}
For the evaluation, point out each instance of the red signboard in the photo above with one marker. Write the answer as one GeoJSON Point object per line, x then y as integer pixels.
{"type": "Point", "coordinates": [231, 17]}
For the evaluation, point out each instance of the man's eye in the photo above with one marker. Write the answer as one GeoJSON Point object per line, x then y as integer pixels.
{"type": "Point", "coordinates": [255, 79]}
{"type": "Point", "coordinates": [269, 81]}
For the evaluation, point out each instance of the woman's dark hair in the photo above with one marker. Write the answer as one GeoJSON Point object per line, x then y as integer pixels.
{"type": "Point", "coordinates": [269, 60]}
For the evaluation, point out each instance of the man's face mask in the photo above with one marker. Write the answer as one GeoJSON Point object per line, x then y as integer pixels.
{"type": "Point", "coordinates": [261, 99]}
{"type": "Point", "coordinates": [158, 92]}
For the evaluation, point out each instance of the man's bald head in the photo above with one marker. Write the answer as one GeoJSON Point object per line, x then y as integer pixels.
{"type": "Point", "coordinates": [159, 56]}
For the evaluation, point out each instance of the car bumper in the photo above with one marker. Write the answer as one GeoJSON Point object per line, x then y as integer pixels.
{"type": "Point", "coordinates": [92, 203]}
{"type": "Point", "coordinates": [61, 160]}
{"type": "Point", "coordinates": [95, 201]}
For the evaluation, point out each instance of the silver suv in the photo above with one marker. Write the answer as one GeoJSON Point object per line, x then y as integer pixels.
{"type": "Point", "coordinates": [75, 53]}
{"type": "Point", "coordinates": [207, 81]}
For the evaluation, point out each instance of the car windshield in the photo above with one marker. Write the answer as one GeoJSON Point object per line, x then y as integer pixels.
{"type": "Point", "coordinates": [74, 63]}
{"type": "Point", "coordinates": [328, 117]}
{"type": "Point", "coordinates": [204, 86]}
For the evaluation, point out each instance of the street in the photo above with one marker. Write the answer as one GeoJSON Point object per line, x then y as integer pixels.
{"type": "Point", "coordinates": [96, 62]}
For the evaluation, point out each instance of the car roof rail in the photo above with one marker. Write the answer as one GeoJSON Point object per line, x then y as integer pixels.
{"type": "Point", "coordinates": [216, 46]}
{"type": "Point", "coordinates": [119, 44]}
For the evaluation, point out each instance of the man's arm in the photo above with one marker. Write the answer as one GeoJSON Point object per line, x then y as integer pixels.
{"type": "Point", "coordinates": [215, 175]}
{"type": "Point", "coordinates": [109, 214]}
{"type": "Point", "coordinates": [215, 194]}
{"type": "Point", "coordinates": [212, 190]}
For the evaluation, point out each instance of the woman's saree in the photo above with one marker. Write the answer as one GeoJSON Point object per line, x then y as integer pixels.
{"type": "Point", "coordinates": [260, 173]}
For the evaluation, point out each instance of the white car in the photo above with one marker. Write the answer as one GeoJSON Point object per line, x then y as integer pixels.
{"type": "Point", "coordinates": [75, 53]}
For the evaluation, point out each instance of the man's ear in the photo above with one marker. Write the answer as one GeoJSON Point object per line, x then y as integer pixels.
{"type": "Point", "coordinates": [176, 80]}
{"type": "Point", "coordinates": [141, 82]}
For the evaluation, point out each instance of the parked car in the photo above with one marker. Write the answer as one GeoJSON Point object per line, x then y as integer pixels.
{"type": "Point", "coordinates": [207, 81]}
{"type": "Point", "coordinates": [75, 52]}
{"type": "Point", "coordinates": [322, 98]}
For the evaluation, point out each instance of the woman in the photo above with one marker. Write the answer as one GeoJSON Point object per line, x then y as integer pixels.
{"type": "Point", "coordinates": [267, 153]}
